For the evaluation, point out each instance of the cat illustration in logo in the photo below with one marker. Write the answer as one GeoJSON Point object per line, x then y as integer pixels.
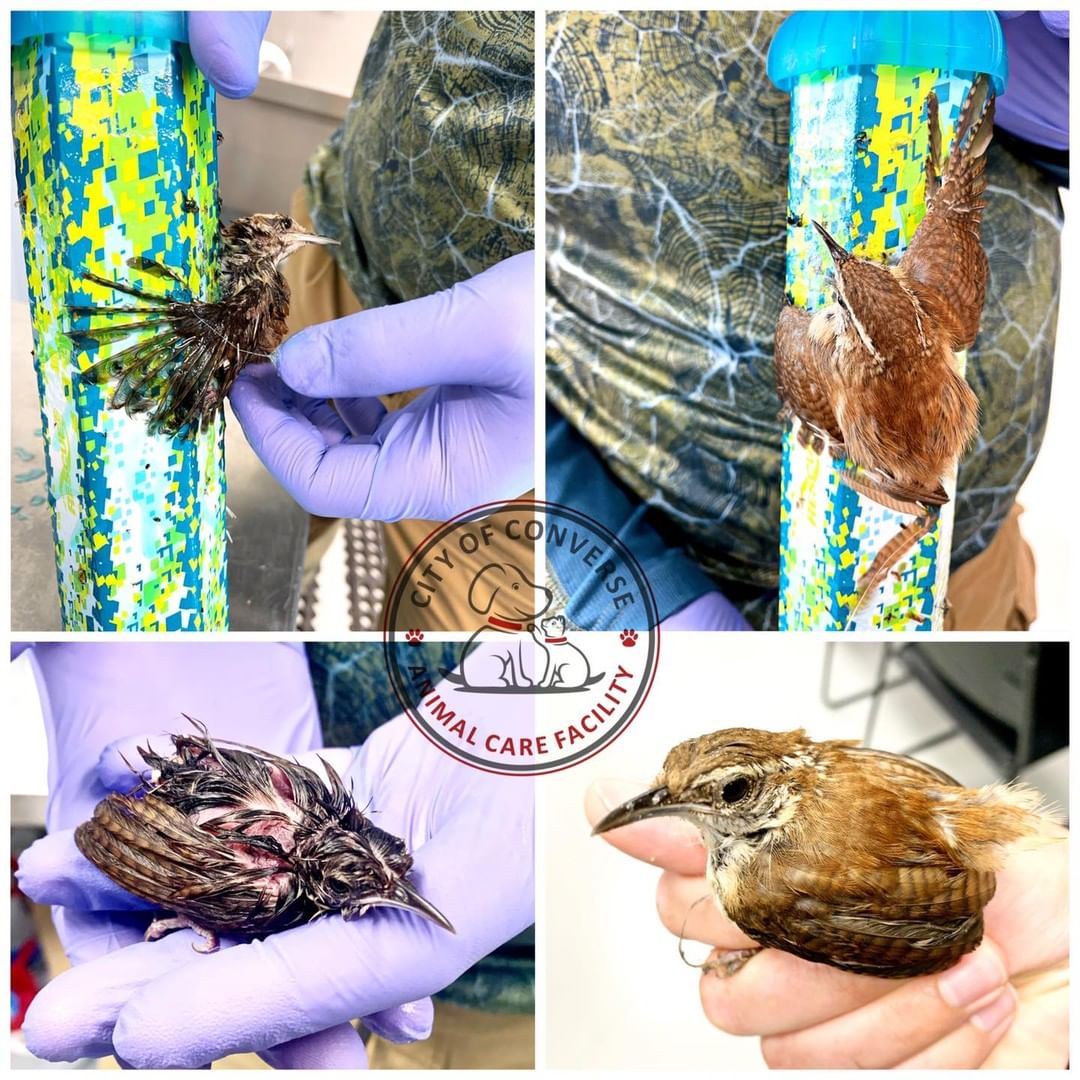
{"type": "Point", "coordinates": [567, 665]}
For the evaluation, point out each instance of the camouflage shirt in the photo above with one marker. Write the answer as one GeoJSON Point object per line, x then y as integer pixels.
{"type": "Point", "coordinates": [430, 179]}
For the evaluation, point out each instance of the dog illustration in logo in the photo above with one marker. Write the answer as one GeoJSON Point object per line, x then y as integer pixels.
{"type": "Point", "coordinates": [502, 652]}
{"type": "Point", "coordinates": [567, 665]}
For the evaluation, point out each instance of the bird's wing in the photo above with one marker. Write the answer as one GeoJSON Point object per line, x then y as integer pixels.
{"type": "Point", "coordinates": [897, 767]}
{"type": "Point", "coordinates": [801, 378]}
{"type": "Point", "coordinates": [945, 256]}
{"type": "Point", "coordinates": [180, 363]}
{"type": "Point", "coordinates": [223, 882]}
{"type": "Point", "coordinates": [889, 921]}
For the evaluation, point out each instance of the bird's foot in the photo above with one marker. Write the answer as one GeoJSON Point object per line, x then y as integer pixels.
{"type": "Point", "coordinates": [162, 926]}
{"type": "Point", "coordinates": [727, 962]}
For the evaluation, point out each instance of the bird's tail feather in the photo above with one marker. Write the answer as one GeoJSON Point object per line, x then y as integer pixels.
{"type": "Point", "coordinates": [967, 153]}
{"type": "Point", "coordinates": [886, 559]}
{"type": "Point", "coordinates": [168, 373]}
{"type": "Point", "coordinates": [974, 128]}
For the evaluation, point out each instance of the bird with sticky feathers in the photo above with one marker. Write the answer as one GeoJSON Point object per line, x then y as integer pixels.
{"type": "Point", "coordinates": [234, 839]}
{"type": "Point", "coordinates": [187, 353]}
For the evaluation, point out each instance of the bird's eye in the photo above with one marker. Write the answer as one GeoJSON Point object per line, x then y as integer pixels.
{"type": "Point", "coordinates": [736, 789]}
{"type": "Point", "coordinates": [515, 588]}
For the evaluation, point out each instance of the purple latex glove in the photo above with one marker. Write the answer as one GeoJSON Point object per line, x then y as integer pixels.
{"type": "Point", "coordinates": [712, 611]}
{"type": "Point", "coordinates": [289, 997]}
{"type": "Point", "coordinates": [1035, 105]}
{"type": "Point", "coordinates": [466, 440]}
{"type": "Point", "coordinates": [225, 45]}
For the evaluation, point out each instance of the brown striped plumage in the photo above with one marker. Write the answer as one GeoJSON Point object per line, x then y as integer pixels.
{"type": "Point", "coordinates": [868, 861]}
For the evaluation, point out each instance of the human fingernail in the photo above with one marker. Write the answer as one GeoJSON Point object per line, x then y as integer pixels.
{"type": "Point", "coordinates": [997, 1012]}
{"type": "Point", "coordinates": [973, 978]}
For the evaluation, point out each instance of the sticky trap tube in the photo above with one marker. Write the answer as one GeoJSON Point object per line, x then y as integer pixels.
{"type": "Point", "coordinates": [859, 142]}
{"type": "Point", "coordinates": [116, 158]}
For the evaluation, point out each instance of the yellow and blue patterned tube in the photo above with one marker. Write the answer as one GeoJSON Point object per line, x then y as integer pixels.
{"type": "Point", "coordinates": [859, 142]}
{"type": "Point", "coordinates": [116, 157]}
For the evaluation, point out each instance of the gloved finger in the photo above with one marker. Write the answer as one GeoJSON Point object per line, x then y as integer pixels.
{"type": "Point", "coordinates": [254, 996]}
{"type": "Point", "coordinates": [912, 1017]}
{"type": "Point", "coordinates": [1057, 22]}
{"type": "Point", "coordinates": [52, 870]}
{"type": "Point", "coordinates": [86, 935]}
{"type": "Point", "coordinates": [362, 415]}
{"type": "Point", "coordinates": [669, 843]}
{"type": "Point", "coordinates": [264, 382]}
{"type": "Point", "coordinates": [325, 419]}
{"type": "Point", "coordinates": [405, 1023]}
{"type": "Point", "coordinates": [74, 1014]}
{"type": "Point", "coordinates": [225, 45]}
{"type": "Point", "coordinates": [296, 454]}
{"type": "Point", "coordinates": [687, 909]}
{"type": "Point", "coordinates": [338, 1047]}
{"type": "Point", "coordinates": [711, 611]}
{"type": "Point", "coordinates": [279, 432]}
{"type": "Point", "coordinates": [121, 766]}
{"type": "Point", "coordinates": [478, 332]}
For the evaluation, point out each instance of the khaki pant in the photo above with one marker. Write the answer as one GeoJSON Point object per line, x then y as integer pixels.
{"type": "Point", "coordinates": [996, 589]}
{"type": "Point", "coordinates": [993, 591]}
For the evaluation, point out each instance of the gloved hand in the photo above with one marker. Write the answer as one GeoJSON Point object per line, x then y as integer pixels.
{"type": "Point", "coordinates": [1035, 105]}
{"type": "Point", "coordinates": [712, 611]}
{"type": "Point", "coordinates": [289, 997]}
{"type": "Point", "coordinates": [225, 45]}
{"type": "Point", "coordinates": [466, 440]}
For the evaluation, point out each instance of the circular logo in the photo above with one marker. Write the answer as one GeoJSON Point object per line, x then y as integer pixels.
{"type": "Point", "coordinates": [521, 637]}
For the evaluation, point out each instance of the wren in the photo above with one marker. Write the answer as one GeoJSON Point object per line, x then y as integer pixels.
{"type": "Point", "coordinates": [236, 839]}
{"type": "Point", "coordinates": [187, 353]}
{"type": "Point", "coordinates": [875, 371]}
{"type": "Point", "coordinates": [868, 861]}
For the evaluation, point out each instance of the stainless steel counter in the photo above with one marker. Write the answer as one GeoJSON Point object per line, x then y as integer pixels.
{"type": "Point", "coordinates": [268, 532]}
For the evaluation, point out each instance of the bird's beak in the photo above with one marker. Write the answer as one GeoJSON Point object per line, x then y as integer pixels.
{"type": "Point", "coordinates": [297, 238]}
{"type": "Point", "coordinates": [314, 238]}
{"type": "Point", "coordinates": [657, 802]}
{"type": "Point", "coordinates": [839, 255]}
{"type": "Point", "coordinates": [408, 899]}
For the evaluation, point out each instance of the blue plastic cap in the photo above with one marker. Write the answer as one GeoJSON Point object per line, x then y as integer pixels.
{"type": "Point", "coordinates": [947, 40]}
{"type": "Point", "coordinates": [171, 25]}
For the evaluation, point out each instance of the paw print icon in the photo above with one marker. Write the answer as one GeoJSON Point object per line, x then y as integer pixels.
{"type": "Point", "coordinates": [628, 638]}
{"type": "Point", "coordinates": [414, 637]}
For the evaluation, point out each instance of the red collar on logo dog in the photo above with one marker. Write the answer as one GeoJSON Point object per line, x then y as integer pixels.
{"type": "Point", "coordinates": [504, 624]}
{"type": "Point", "coordinates": [555, 640]}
